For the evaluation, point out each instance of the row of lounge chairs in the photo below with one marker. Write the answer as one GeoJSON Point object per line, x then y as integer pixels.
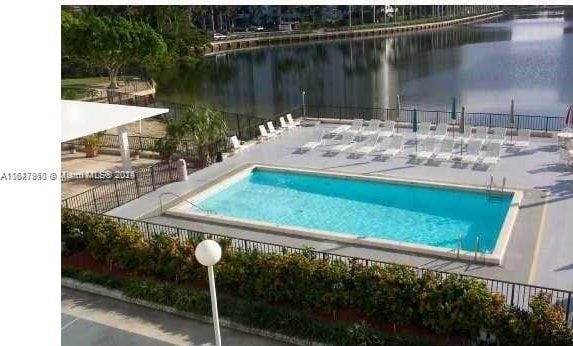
{"type": "Point", "coordinates": [285, 126]}
{"type": "Point", "coordinates": [389, 146]}
{"type": "Point", "coordinates": [482, 133]}
{"type": "Point", "coordinates": [373, 127]}
{"type": "Point", "coordinates": [432, 149]}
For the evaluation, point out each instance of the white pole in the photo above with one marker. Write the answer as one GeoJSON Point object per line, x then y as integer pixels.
{"type": "Point", "coordinates": [124, 147]}
{"type": "Point", "coordinates": [303, 105]}
{"type": "Point", "coordinates": [398, 117]}
{"type": "Point", "coordinates": [214, 305]}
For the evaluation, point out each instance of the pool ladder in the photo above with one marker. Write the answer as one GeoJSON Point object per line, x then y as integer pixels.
{"type": "Point", "coordinates": [184, 200]}
{"type": "Point", "coordinates": [476, 247]}
{"type": "Point", "coordinates": [494, 190]}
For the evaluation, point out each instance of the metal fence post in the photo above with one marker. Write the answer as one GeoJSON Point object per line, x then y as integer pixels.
{"type": "Point", "coordinates": [95, 201]}
{"type": "Point", "coordinates": [116, 192]}
{"type": "Point", "coordinates": [568, 309]}
{"type": "Point", "coordinates": [512, 293]}
{"type": "Point", "coordinates": [489, 125]}
{"type": "Point", "coordinates": [136, 176]}
{"type": "Point", "coordinates": [238, 126]}
{"type": "Point", "coordinates": [152, 178]}
{"type": "Point", "coordinates": [546, 124]}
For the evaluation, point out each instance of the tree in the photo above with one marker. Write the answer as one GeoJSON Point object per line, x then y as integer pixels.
{"type": "Point", "coordinates": [109, 43]}
{"type": "Point", "coordinates": [201, 125]}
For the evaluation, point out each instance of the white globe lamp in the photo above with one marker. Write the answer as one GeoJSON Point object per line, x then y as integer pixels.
{"type": "Point", "coordinates": [208, 253]}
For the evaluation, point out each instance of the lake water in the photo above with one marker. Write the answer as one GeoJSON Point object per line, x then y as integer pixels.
{"type": "Point", "coordinates": [526, 57]}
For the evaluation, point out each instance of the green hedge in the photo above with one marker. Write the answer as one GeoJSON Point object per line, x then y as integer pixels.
{"type": "Point", "coordinates": [454, 305]}
{"type": "Point", "coordinates": [249, 313]}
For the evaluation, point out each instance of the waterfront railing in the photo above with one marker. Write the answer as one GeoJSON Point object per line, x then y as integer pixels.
{"type": "Point", "coordinates": [543, 123]}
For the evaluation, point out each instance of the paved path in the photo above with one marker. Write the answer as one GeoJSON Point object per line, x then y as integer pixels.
{"type": "Point", "coordinates": [88, 319]}
{"type": "Point", "coordinates": [539, 251]}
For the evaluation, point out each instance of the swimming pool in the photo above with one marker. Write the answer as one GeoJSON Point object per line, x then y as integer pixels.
{"type": "Point", "coordinates": [395, 213]}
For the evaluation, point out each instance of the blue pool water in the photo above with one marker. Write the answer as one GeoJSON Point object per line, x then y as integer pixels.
{"type": "Point", "coordinates": [407, 213]}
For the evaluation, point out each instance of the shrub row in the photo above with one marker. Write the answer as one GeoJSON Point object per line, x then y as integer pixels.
{"type": "Point", "coordinates": [249, 313]}
{"type": "Point", "coordinates": [453, 305]}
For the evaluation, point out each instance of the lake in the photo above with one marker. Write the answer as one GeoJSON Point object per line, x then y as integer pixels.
{"type": "Point", "coordinates": [525, 57]}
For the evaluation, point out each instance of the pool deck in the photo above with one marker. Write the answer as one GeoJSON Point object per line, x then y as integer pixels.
{"type": "Point", "coordinates": [540, 248]}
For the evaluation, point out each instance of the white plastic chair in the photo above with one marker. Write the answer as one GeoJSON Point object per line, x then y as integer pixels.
{"type": "Point", "coordinates": [272, 129]}
{"type": "Point", "coordinates": [444, 152]}
{"type": "Point", "coordinates": [264, 134]}
{"type": "Point", "coordinates": [291, 121]}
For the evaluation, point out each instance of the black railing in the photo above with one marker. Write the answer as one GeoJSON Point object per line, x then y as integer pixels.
{"type": "Point", "coordinates": [516, 294]}
{"type": "Point", "coordinates": [543, 123]}
{"type": "Point", "coordinates": [244, 126]}
{"type": "Point", "coordinates": [117, 192]}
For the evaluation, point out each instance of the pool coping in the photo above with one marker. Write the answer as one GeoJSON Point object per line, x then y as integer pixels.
{"type": "Point", "coordinates": [494, 258]}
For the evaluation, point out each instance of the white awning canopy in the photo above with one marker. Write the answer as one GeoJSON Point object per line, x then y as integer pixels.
{"type": "Point", "coordinates": [81, 119]}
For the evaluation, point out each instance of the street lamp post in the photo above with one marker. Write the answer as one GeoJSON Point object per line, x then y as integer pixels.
{"type": "Point", "coordinates": [208, 253]}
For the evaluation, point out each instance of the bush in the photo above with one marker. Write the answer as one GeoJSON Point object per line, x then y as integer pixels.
{"type": "Point", "coordinates": [543, 325]}
{"type": "Point", "coordinates": [454, 305]}
{"type": "Point", "coordinates": [460, 305]}
{"type": "Point", "coordinates": [248, 312]}
{"type": "Point", "coordinates": [389, 293]}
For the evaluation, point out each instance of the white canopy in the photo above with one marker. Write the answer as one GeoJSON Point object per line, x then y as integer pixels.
{"type": "Point", "coordinates": [81, 119]}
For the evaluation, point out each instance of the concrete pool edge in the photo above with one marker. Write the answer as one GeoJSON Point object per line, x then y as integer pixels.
{"type": "Point", "coordinates": [494, 258]}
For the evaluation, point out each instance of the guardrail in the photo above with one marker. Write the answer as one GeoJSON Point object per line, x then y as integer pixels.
{"type": "Point", "coordinates": [543, 123]}
{"type": "Point", "coordinates": [515, 294]}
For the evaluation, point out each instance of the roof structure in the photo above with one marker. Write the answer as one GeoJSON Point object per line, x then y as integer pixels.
{"type": "Point", "coordinates": [81, 119]}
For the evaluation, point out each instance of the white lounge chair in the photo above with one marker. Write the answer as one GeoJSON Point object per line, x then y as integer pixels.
{"type": "Point", "coordinates": [367, 146]}
{"type": "Point", "coordinates": [441, 131]}
{"type": "Point", "coordinates": [468, 133]}
{"type": "Point", "coordinates": [492, 154]}
{"type": "Point", "coordinates": [312, 145]}
{"type": "Point", "coordinates": [356, 126]}
{"type": "Point", "coordinates": [272, 129]}
{"type": "Point", "coordinates": [498, 135]}
{"type": "Point", "coordinates": [285, 125]}
{"type": "Point", "coordinates": [481, 133]}
{"type": "Point", "coordinates": [346, 143]}
{"type": "Point", "coordinates": [522, 139]}
{"type": "Point", "coordinates": [372, 128]}
{"type": "Point", "coordinates": [396, 146]}
{"type": "Point", "coordinates": [340, 129]}
{"type": "Point", "coordinates": [291, 121]}
{"type": "Point", "coordinates": [423, 131]}
{"type": "Point", "coordinates": [264, 133]}
{"type": "Point", "coordinates": [428, 147]}
{"type": "Point", "coordinates": [444, 152]}
{"type": "Point", "coordinates": [567, 156]}
{"type": "Point", "coordinates": [387, 129]}
{"type": "Point", "coordinates": [472, 154]}
{"type": "Point", "coordinates": [237, 146]}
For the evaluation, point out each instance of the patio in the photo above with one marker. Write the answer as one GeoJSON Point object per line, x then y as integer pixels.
{"type": "Point", "coordinates": [539, 251]}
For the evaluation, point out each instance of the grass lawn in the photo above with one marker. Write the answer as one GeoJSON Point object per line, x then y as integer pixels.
{"type": "Point", "coordinates": [85, 82]}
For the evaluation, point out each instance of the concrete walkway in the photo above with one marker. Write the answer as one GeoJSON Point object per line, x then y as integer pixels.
{"type": "Point", "coordinates": [88, 319]}
{"type": "Point", "coordinates": [539, 251]}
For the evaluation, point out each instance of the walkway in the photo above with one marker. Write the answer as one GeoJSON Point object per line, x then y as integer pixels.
{"type": "Point", "coordinates": [539, 251]}
{"type": "Point", "coordinates": [88, 319]}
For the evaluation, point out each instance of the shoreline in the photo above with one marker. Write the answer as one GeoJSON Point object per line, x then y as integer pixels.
{"type": "Point", "coordinates": [221, 47]}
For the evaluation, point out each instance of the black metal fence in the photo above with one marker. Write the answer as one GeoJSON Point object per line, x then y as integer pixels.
{"type": "Point", "coordinates": [197, 156]}
{"type": "Point", "coordinates": [244, 126]}
{"type": "Point", "coordinates": [543, 123]}
{"type": "Point", "coordinates": [117, 192]}
{"type": "Point", "coordinates": [516, 294]}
